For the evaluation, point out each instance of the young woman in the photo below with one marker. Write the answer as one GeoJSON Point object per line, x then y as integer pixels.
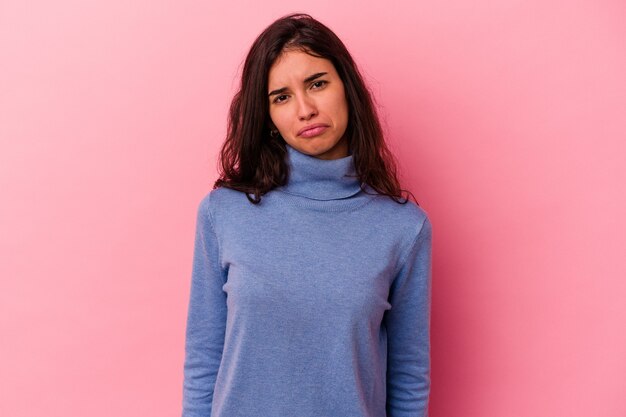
{"type": "Point", "coordinates": [311, 283]}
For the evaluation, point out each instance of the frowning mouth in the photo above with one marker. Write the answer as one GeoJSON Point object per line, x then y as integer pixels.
{"type": "Point", "coordinates": [312, 130]}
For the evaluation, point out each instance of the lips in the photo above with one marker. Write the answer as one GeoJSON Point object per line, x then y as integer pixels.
{"type": "Point", "coordinates": [313, 126]}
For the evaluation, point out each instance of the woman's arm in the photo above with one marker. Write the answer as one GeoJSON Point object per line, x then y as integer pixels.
{"type": "Point", "coordinates": [408, 331]}
{"type": "Point", "coordinates": [206, 319]}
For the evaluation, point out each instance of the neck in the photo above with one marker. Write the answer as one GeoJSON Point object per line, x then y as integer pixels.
{"type": "Point", "coordinates": [320, 179]}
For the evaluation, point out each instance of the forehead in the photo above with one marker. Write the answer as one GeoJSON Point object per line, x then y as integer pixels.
{"type": "Point", "coordinates": [295, 66]}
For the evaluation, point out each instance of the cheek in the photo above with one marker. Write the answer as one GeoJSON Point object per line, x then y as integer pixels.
{"type": "Point", "coordinates": [340, 102]}
{"type": "Point", "coordinates": [341, 108]}
{"type": "Point", "coordinates": [278, 118]}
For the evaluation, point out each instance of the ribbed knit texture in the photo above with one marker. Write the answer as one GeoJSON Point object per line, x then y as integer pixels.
{"type": "Point", "coordinates": [313, 303]}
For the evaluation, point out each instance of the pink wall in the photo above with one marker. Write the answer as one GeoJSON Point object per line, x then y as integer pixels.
{"type": "Point", "coordinates": [509, 121]}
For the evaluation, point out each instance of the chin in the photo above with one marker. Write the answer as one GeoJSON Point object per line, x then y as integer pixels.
{"type": "Point", "coordinates": [314, 146]}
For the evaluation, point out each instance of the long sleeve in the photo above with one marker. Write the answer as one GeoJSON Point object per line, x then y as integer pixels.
{"type": "Point", "coordinates": [206, 319]}
{"type": "Point", "coordinates": [408, 331]}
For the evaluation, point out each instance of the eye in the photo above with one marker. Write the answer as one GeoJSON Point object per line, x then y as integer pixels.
{"type": "Point", "coordinates": [323, 82]}
{"type": "Point", "coordinates": [276, 100]}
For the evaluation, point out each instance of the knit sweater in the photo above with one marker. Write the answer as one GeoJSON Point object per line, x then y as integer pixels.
{"type": "Point", "coordinates": [313, 303]}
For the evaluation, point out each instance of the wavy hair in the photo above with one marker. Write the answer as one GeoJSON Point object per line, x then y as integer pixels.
{"type": "Point", "coordinates": [252, 161]}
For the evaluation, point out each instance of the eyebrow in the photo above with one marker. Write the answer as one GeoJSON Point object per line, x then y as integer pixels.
{"type": "Point", "coordinates": [306, 80]}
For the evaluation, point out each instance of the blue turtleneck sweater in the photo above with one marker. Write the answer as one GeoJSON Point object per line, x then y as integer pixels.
{"type": "Point", "coordinates": [313, 303]}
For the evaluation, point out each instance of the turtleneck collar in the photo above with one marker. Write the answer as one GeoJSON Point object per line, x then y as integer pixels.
{"type": "Point", "coordinates": [320, 179]}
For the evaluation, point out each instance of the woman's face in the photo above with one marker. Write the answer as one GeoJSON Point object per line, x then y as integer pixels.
{"type": "Point", "coordinates": [304, 91]}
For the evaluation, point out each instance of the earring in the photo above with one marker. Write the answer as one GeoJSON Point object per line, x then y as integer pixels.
{"type": "Point", "coordinates": [274, 133]}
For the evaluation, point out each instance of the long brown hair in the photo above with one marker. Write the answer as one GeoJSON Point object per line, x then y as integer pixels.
{"type": "Point", "coordinates": [252, 161]}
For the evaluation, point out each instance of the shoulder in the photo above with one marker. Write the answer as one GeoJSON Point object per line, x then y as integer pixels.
{"type": "Point", "coordinates": [408, 215]}
{"type": "Point", "coordinates": [218, 197]}
{"type": "Point", "coordinates": [409, 223]}
{"type": "Point", "coordinates": [223, 202]}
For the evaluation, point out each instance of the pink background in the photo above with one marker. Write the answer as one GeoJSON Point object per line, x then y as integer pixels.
{"type": "Point", "coordinates": [509, 122]}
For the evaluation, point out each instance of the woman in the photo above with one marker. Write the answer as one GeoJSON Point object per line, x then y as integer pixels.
{"type": "Point", "coordinates": [311, 282]}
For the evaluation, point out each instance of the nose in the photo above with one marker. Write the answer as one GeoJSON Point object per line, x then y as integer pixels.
{"type": "Point", "coordinates": [306, 107]}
